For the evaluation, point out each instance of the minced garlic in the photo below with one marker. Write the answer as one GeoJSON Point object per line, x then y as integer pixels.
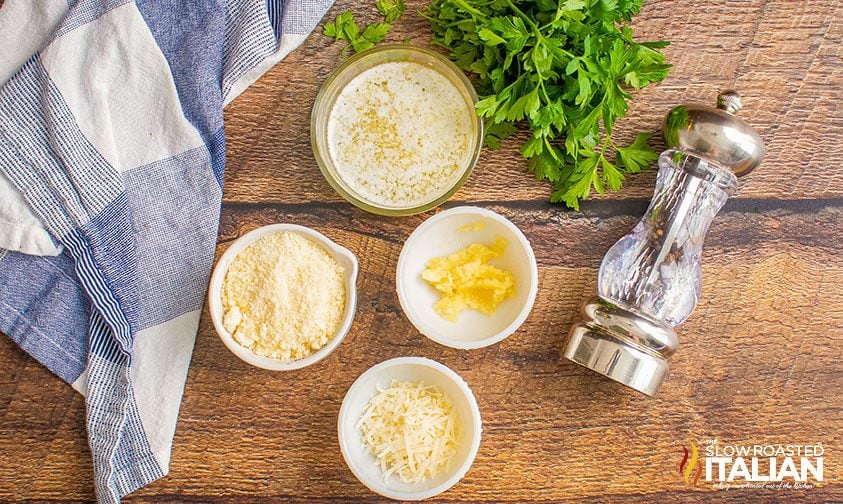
{"type": "Point", "coordinates": [400, 134]}
{"type": "Point", "coordinates": [467, 280]}
{"type": "Point", "coordinates": [411, 429]}
{"type": "Point", "coordinates": [283, 296]}
{"type": "Point", "coordinates": [472, 226]}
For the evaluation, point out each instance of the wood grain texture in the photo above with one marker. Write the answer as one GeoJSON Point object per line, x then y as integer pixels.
{"type": "Point", "coordinates": [759, 361]}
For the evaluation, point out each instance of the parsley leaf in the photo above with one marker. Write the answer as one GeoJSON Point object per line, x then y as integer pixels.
{"type": "Point", "coordinates": [565, 70]}
{"type": "Point", "coordinates": [376, 32]}
{"type": "Point", "coordinates": [345, 28]}
{"type": "Point", "coordinates": [638, 155]}
{"type": "Point", "coordinates": [496, 132]}
{"type": "Point", "coordinates": [390, 10]}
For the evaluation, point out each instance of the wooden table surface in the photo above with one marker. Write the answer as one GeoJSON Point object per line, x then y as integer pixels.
{"type": "Point", "coordinates": [760, 361]}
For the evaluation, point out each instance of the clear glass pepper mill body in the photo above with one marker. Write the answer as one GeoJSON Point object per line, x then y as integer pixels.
{"type": "Point", "coordinates": [655, 269]}
{"type": "Point", "coordinates": [650, 279]}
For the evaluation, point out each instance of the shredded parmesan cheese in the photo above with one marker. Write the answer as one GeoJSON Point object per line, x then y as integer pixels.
{"type": "Point", "coordinates": [283, 296]}
{"type": "Point", "coordinates": [411, 429]}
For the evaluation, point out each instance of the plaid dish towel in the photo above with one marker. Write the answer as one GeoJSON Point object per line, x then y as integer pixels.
{"type": "Point", "coordinates": [112, 154]}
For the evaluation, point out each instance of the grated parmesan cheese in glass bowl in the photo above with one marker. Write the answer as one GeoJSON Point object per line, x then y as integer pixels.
{"type": "Point", "coordinates": [394, 130]}
{"type": "Point", "coordinates": [409, 428]}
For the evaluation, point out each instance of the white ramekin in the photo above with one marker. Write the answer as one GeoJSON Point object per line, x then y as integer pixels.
{"type": "Point", "coordinates": [343, 256]}
{"type": "Point", "coordinates": [442, 235]}
{"type": "Point", "coordinates": [414, 369]}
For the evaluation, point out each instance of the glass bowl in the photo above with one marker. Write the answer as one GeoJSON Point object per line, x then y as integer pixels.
{"type": "Point", "coordinates": [353, 67]}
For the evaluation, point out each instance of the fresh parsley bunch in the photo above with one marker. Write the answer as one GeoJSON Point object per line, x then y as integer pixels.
{"type": "Point", "coordinates": [565, 68]}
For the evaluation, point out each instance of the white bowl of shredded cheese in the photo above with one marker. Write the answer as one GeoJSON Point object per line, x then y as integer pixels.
{"type": "Point", "coordinates": [447, 233]}
{"type": "Point", "coordinates": [363, 427]}
{"type": "Point", "coordinates": [283, 296]}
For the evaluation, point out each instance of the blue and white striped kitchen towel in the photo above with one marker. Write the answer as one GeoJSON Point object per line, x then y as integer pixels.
{"type": "Point", "coordinates": [111, 162]}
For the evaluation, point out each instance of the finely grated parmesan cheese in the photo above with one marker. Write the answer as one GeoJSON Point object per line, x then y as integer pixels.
{"type": "Point", "coordinates": [400, 134]}
{"type": "Point", "coordinates": [412, 429]}
{"type": "Point", "coordinates": [283, 296]}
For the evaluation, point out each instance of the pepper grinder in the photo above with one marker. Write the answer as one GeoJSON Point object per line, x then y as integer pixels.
{"type": "Point", "coordinates": [649, 281]}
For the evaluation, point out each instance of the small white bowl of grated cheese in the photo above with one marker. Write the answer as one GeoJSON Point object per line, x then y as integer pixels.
{"type": "Point", "coordinates": [283, 296]}
{"type": "Point", "coordinates": [409, 428]}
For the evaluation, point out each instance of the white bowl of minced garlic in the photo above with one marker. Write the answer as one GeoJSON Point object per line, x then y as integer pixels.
{"type": "Point", "coordinates": [467, 278]}
{"type": "Point", "coordinates": [283, 296]}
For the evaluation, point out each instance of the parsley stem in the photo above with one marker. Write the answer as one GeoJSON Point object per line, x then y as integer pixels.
{"type": "Point", "coordinates": [534, 26]}
{"type": "Point", "coordinates": [523, 16]}
{"type": "Point", "coordinates": [471, 10]}
{"type": "Point", "coordinates": [544, 91]}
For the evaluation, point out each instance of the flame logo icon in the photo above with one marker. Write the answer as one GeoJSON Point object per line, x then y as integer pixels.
{"type": "Point", "coordinates": [686, 467]}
